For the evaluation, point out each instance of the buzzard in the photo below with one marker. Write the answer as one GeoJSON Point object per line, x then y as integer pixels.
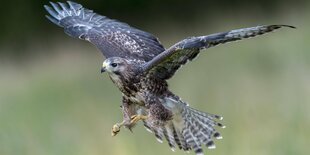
{"type": "Point", "coordinates": [140, 66]}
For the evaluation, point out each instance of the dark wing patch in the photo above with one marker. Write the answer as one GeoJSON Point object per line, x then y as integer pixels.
{"type": "Point", "coordinates": [168, 62]}
{"type": "Point", "coordinates": [112, 38]}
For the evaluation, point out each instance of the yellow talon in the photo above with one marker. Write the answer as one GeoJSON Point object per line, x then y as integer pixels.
{"type": "Point", "coordinates": [136, 118]}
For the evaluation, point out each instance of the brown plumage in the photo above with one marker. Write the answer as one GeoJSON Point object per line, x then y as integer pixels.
{"type": "Point", "coordinates": [139, 66]}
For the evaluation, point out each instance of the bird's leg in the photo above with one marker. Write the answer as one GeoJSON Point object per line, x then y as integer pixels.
{"type": "Point", "coordinates": [128, 109]}
{"type": "Point", "coordinates": [136, 118]}
{"type": "Point", "coordinates": [117, 128]}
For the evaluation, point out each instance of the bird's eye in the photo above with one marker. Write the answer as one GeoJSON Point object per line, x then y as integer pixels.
{"type": "Point", "coordinates": [114, 64]}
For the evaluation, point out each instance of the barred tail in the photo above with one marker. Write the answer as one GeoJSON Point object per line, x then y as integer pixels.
{"type": "Point", "coordinates": [200, 129]}
{"type": "Point", "coordinates": [189, 129]}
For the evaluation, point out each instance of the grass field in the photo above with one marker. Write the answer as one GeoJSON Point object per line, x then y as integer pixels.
{"type": "Point", "coordinates": [60, 104]}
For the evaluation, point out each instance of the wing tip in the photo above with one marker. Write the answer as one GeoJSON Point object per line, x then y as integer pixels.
{"type": "Point", "coordinates": [71, 3]}
{"type": "Point", "coordinates": [63, 9]}
{"type": "Point", "coordinates": [52, 3]}
{"type": "Point", "coordinates": [57, 11]}
{"type": "Point", "coordinates": [53, 20]}
{"type": "Point", "coordinates": [282, 25]}
{"type": "Point", "coordinates": [290, 26]}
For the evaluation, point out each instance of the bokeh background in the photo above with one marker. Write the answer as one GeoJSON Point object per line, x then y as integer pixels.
{"type": "Point", "coordinates": [54, 101]}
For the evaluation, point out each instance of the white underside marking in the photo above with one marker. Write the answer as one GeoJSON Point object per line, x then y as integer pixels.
{"type": "Point", "coordinates": [219, 137]}
{"type": "Point", "coordinates": [172, 149]}
{"type": "Point", "coordinates": [212, 147]}
{"type": "Point", "coordinates": [159, 140]}
{"type": "Point", "coordinates": [147, 129]}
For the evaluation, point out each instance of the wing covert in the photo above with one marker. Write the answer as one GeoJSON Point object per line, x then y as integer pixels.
{"type": "Point", "coordinates": [112, 38]}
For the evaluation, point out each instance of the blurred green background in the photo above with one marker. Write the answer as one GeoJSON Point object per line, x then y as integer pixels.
{"type": "Point", "coordinates": [54, 101]}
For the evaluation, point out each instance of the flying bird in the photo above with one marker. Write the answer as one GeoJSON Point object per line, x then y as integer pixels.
{"type": "Point", "coordinates": [140, 66]}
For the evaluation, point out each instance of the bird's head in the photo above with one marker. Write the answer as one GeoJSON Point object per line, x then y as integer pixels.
{"type": "Point", "coordinates": [114, 65]}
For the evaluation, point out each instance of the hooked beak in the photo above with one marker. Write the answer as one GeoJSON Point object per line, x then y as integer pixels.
{"type": "Point", "coordinates": [104, 67]}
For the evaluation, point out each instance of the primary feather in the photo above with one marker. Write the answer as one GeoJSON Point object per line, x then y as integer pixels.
{"type": "Point", "coordinates": [168, 62]}
{"type": "Point", "coordinates": [111, 37]}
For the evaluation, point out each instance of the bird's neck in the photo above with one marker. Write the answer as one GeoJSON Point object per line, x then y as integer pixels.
{"type": "Point", "coordinates": [126, 84]}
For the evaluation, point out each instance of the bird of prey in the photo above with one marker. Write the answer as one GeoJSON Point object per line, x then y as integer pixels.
{"type": "Point", "coordinates": [140, 66]}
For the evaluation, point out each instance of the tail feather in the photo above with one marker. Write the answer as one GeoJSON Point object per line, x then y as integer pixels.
{"type": "Point", "coordinates": [168, 132]}
{"type": "Point", "coordinates": [208, 131]}
{"type": "Point", "coordinates": [183, 145]}
{"type": "Point", "coordinates": [206, 134]}
{"type": "Point", "coordinates": [192, 140]}
{"type": "Point", "coordinates": [200, 129]}
{"type": "Point", "coordinates": [177, 138]}
{"type": "Point", "coordinates": [159, 136]}
{"type": "Point", "coordinates": [217, 135]}
{"type": "Point", "coordinates": [204, 114]}
{"type": "Point", "coordinates": [158, 132]}
{"type": "Point", "coordinates": [189, 129]}
{"type": "Point", "coordinates": [148, 127]}
{"type": "Point", "coordinates": [205, 123]}
{"type": "Point", "coordinates": [194, 136]}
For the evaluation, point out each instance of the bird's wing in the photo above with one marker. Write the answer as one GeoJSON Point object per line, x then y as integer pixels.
{"type": "Point", "coordinates": [168, 62]}
{"type": "Point", "coordinates": [112, 38]}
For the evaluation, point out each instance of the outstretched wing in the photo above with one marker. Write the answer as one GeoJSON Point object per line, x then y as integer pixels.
{"type": "Point", "coordinates": [112, 38]}
{"type": "Point", "coordinates": [168, 62]}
